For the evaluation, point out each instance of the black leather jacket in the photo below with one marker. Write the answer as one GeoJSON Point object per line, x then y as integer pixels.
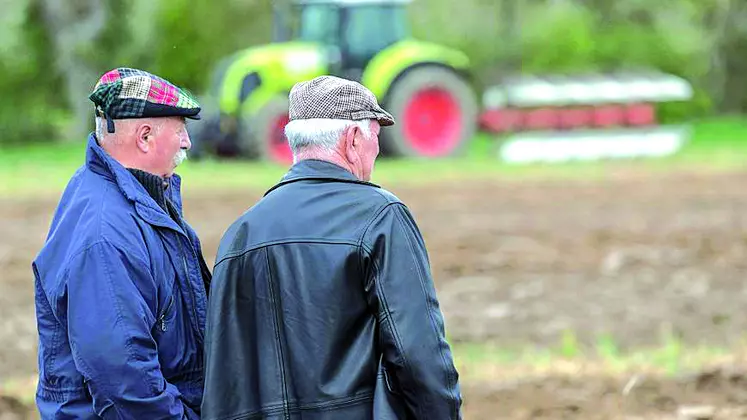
{"type": "Point", "coordinates": [322, 306]}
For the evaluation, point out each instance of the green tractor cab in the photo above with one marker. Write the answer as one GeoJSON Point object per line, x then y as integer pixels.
{"type": "Point", "coordinates": [423, 85]}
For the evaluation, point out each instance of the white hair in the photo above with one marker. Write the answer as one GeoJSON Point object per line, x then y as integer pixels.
{"type": "Point", "coordinates": [101, 133]}
{"type": "Point", "coordinates": [320, 133]}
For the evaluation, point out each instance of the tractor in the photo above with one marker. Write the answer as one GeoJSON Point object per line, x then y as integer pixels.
{"type": "Point", "coordinates": [424, 85]}
{"type": "Point", "coordinates": [427, 87]}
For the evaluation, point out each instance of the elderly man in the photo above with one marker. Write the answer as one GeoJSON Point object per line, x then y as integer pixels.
{"type": "Point", "coordinates": [322, 303]}
{"type": "Point", "coordinates": [121, 282]}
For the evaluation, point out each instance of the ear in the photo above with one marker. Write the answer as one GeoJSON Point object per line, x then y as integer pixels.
{"type": "Point", "coordinates": [144, 133]}
{"type": "Point", "coordinates": [351, 139]}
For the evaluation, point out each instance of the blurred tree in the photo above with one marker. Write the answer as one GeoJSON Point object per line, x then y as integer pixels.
{"type": "Point", "coordinates": [557, 37]}
{"type": "Point", "coordinates": [32, 107]}
{"type": "Point", "coordinates": [727, 24]}
{"type": "Point", "coordinates": [193, 36]}
{"type": "Point", "coordinates": [73, 27]}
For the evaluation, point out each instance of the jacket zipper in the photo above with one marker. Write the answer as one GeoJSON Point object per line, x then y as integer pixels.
{"type": "Point", "coordinates": [179, 234]}
{"type": "Point", "coordinates": [192, 290]}
{"type": "Point", "coordinates": [162, 318]}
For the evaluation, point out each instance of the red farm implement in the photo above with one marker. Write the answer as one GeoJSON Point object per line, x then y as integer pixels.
{"type": "Point", "coordinates": [556, 118]}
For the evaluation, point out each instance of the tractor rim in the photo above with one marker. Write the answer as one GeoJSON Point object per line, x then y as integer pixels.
{"type": "Point", "coordinates": [278, 145]}
{"type": "Point", "coordinates": [433, 122]}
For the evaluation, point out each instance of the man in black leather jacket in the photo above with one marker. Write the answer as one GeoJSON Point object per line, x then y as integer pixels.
{"type": "Point", "coordinates": [322, 302]}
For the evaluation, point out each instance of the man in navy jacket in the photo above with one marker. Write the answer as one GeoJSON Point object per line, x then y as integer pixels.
{"type": "Point", "coordinates": [121, 282]}
{"type": "Point", "coordinates": [322, 304]}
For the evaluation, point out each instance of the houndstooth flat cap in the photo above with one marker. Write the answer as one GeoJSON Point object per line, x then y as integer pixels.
{"type": "Point", "coordinates": [334, 97]}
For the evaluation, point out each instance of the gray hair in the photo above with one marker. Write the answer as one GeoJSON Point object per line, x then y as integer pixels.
{"type": "Point", "coordinates": [101, 133]}
{"type": "Point", "coordinates": [322, 133]}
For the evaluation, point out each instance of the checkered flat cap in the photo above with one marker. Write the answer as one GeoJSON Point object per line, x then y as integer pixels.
{"type": "Point", "coordinates": [333, 97]}
{"type": "Point", "coordinates": [130, 93]}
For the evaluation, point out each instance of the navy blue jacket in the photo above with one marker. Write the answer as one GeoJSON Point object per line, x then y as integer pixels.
{"type": "Point", "coordinates": [322, 306]}
{"type": "Point", "coordinates": [120, 302]}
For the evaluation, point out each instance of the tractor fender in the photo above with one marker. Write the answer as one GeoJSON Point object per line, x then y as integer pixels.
{"type": "Point", "coordinates": [276, 68]}
{"type": "Point", "coordinates": [390, 63]}
{"type": "Point", "coordinates": [459, 72]}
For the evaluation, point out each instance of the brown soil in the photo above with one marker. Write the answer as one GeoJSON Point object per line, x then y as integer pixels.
{"type": "Point", "coordinates": [518, 264]}
{"type": "Point", "coordinates": [720, 393]}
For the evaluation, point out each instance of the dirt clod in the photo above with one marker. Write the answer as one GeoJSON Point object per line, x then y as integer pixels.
{"type": "Point", "coordinates": [702, 412]}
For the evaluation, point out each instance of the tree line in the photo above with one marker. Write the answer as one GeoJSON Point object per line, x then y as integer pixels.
{"type": "Point", "coordinates": [52, 51]}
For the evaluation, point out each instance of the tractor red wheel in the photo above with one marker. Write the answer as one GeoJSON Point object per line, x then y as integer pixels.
{"type": "Point", "coordinates": [277, 145]}
{"type": "Point", "coordinates": [436, 114]}
{"type": "Point", "coordinates": [432, 122]}
{"type": "Point", "coordinates": [263, 135]}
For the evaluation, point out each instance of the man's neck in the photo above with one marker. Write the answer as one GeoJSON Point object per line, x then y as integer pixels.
{"type": "Point", "coordinates": [326, 156]}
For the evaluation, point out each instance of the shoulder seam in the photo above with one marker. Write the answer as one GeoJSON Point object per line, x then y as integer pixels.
{"type": "Point", "coordinates": [267, 244]}
{"type": "Point", "coordinates": [386, 195]}
{"type": "Point", "coordinates": [374, 218]}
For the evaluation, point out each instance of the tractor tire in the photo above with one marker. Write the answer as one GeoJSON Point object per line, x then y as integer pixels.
{"type": "Point", "coordinates": [436, 113]}
{"type": "Point", "coordinates": [262, 134]}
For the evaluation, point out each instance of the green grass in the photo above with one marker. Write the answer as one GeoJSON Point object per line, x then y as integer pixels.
{"type": "Point", "coordinates": [716, 145]}
{"type": "Point", "coordinates": [490, 361]}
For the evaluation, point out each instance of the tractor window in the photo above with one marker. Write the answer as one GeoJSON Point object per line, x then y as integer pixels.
{"type": "Point", "coordinates": [320, 23]}
{"type": "Point", "coordinates": [369, 29]}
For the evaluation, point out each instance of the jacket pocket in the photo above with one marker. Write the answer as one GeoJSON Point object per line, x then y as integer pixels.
{"type": "Point", "coordinates": [389, 403]}
{"type": "Point", "coordinates": [166, 316]}
{"type": "Point", "coordinates": [391, 384]}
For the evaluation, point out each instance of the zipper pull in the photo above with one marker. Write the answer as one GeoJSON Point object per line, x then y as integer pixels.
{"type": "Point", "coordinates": [162, 318]}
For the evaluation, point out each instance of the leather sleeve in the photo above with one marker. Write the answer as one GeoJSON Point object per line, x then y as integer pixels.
{"type": "Point", "coordinates": [401, 292]}
{"type": "Point", "coordinates": [230, 338]}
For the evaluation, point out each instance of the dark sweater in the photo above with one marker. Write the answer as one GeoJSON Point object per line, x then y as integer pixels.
{"type": "Point", "coordinates": [156, 188]}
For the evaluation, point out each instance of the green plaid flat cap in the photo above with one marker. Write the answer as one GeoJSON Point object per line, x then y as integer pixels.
{"type": "Point", "coordinates": [334, 97]}
{"type": "Point", "coordinates": [131, 93]}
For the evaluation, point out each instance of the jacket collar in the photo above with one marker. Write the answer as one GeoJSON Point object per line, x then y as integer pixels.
{"type": "Point", "coordinates": [101, 163]}
{"type": "Point", "coordinates": [319, 170]}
